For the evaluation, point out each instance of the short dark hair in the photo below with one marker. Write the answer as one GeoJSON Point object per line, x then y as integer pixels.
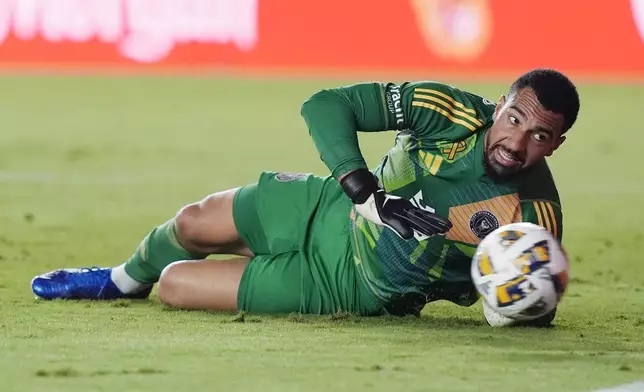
{"type": "Point", "coordinates": [554, 91]}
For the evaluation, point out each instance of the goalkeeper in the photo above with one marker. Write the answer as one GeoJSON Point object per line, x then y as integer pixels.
{"type": "Point", "coordinates": [370, 242]}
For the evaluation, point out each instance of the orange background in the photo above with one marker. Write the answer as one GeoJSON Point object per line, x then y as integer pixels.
{"type": "Point", "coordinates": [589, 37]}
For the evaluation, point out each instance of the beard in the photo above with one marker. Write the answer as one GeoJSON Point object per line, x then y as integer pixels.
{"type": "Point", "coordinates": [498, 171]}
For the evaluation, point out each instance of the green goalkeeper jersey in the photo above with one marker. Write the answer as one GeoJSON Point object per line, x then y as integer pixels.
{"type": "Point", "coordinates": [437, 162]}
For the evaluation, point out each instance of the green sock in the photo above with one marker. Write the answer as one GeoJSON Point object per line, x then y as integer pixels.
{"type": "Point", "coordinates": [158, 249]}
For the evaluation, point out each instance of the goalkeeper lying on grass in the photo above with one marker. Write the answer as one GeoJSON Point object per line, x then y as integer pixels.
{"type": "Point", "coordinates": [369, 242]}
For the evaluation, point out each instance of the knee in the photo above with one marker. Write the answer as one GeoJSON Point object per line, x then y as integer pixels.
{"type": "Point", "coordinates": [169, 286]}
{"type": "Point", "coordinates": [187, 223]}
{"type": "Point", "coordinates": [193, 221]}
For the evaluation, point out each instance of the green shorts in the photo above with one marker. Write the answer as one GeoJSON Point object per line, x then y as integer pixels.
{"type": "Point", "coordinates": [298, 228]}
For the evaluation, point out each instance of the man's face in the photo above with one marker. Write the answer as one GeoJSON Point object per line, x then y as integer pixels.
{"type": "Point", "coordinates": [522, 134]}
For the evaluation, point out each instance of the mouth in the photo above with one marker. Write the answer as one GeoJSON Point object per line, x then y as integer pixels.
{"type": "Point", "coordinates": [506, 158]}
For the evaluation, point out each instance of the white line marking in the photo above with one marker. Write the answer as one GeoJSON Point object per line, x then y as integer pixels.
{"type": "Point", "coordinates": [637, 386]}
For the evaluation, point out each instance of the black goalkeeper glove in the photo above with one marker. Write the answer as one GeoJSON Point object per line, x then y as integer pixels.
{"type": "Point", "coordinates": [391, 211]}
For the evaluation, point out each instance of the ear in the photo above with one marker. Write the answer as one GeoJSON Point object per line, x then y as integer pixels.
{"type": "Point", "coordinates": [556, 146]}
{"type": "Point", "coordinates": [499, 107]}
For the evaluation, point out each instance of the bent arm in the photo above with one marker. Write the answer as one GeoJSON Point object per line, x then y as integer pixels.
{"type": "Point", "coordinates": [426, 108]}
{"type": "Point", "coordinates": [335, 116]}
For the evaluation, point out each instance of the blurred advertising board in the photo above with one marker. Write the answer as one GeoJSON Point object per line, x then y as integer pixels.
{"type": "Point", "coordinates": [469, 37]}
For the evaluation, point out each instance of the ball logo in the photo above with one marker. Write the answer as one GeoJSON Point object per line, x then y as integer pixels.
{"type": "Point", "coordinates": [638, 14]}
{"type": "Point", "coordinates": [455, 29]}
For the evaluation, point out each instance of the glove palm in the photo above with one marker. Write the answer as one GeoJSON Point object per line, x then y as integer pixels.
{"type": "Point", "coordinates": [391, 211]}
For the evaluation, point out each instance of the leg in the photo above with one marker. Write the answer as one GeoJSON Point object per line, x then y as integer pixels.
{"type": "Point", "coordinates": [295, 228]}
{"type": "Point", "coordinates": [298, 228]}
{"type": "Point", "coordinates": [202, 284]}
{"type": "Point", "coordinates": [208, 227]}
{"type": "Point", "coordinates": [196, 231]}
{"type": "Point", "coordinates": [279, 284]}
{"type": "Point", "coordinates": [267, 284]}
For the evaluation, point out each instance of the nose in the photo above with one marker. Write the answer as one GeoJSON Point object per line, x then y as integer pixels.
{"type": "Point", "coordinates": [517, 142]}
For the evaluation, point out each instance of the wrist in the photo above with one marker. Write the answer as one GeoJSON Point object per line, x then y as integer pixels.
{"type": "Point", "coordinates": [359, 185]}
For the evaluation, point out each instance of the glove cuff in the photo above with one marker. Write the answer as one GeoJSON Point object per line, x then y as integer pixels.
{"type": "Point", "coordinates": [359, 185]}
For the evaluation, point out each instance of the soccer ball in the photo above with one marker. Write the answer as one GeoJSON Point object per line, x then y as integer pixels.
{"type": "Point", "coordinates": [521, 272]}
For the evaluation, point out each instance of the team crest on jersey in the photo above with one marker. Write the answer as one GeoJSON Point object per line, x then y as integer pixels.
{"type": "Point", "coordinates": [483, 223]}
{"type": "Point", "coordinates": [452, 151]}
{"type": "Point", "coordinates": [287, 177]}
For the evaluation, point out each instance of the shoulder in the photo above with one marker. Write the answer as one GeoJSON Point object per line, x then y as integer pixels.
{"type": "Point", "coordinates": [538, 184]}
{"type": "Point", "coordinates": [449, 97]}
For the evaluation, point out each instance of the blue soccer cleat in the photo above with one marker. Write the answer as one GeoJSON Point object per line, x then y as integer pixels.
{"type": "Point", "coordinates": [81, 283]}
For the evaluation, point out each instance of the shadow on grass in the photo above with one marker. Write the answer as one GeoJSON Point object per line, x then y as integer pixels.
{"type": "Point", "coordinates": [347, 320]}
{"type": "Point", "coordinates": [341, 319]}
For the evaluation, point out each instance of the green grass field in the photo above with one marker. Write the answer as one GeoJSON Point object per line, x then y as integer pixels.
{"type": "Point", "coordinates": [89, 165]}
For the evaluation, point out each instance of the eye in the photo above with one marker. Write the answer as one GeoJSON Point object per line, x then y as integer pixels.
{"type": "Point", "coordinates": [540, 137]}
{"type": "Point", "coordinates": [514, 120]}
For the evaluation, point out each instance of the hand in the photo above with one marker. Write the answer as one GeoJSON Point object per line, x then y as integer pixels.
{"type": "Point", "coordinates": [401, 216]}
{"type": "Point", "coordinates": [393, 212]}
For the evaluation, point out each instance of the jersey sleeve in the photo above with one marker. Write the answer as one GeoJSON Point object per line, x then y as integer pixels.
{"type": "Point", "coordinates": [429, 110]}
{"type": "Point", "coordinates": [434, 110]}
{"type": "Point", "coordinates": [544, 213]}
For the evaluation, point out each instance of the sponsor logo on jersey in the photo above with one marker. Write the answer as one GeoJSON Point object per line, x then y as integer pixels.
{"type": "Point", "coordinates": [455, 29]}
{"type": "Point", "coordinates": [483, 223]}
{"type": "Point", "coordinates": [638, 14]}
{"type": "Point", "coordinates": [394, 103]}
{"type": "Point", "coordinates": [287, 177]}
